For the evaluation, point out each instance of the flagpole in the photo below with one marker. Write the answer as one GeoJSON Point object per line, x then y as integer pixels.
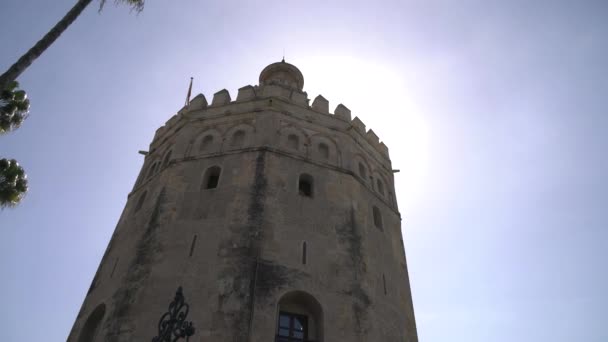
{"type": "Point", "coordinates": [189, 93]}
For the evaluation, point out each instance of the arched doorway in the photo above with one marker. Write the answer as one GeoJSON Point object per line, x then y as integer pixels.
{"type": "Point", "coordinates": [299, 318]}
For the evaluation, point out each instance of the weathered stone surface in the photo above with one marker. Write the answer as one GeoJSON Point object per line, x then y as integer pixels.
{"type": "Point", "coordinates": [359, 125]}
{"type": "Point", "coordinates": [237, 249]}
{"type": "Point", "coordinates": [342, 112]}
{"type": "Point", "coordinates": [372, 138]}
{"type": "Point", "coordinates": [321, 105]}
{"type": "Point", "coordinates": [221, 98]}
{"type": "Point", "coordinates": [198, 102]}
{"type": "Point", "coordinates": [245, 93]}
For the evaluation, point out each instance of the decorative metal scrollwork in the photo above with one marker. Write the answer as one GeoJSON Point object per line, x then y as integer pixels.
{"type": "Point", "coordinates": [173, 325]}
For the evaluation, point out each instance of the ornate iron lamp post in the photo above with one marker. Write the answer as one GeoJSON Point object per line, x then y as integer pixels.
{"type": "Point", "coordinates": [173, 325]}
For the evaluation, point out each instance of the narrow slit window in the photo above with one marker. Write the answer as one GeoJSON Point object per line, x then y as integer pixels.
{"type": "Point", "coordinates": [293, 141]}
{"type": "Point", "coordinates": [206, 143]}
{"type": "Point", "coordinates": [140, 201]}
{"type": "Point", "coordinates": [212, 177]}
{"type": "Point", "coordinates": [305, 185]}
{"type": "Point", "coordinates": [324, 150]}
{"type": "Point", "coordinates": [114, 268]}
{"type": "Point", "coordinates": [192, 245]}
{"type": "Point", "coordinates": [384, 284]}
{"type": "Point", "coordinates": [377, 218]}
{"type": "Point", "coordinates": [304, 253]}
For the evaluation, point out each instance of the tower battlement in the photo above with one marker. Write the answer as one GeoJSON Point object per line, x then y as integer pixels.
{"type": "Point", "coordinates": [222, 104]}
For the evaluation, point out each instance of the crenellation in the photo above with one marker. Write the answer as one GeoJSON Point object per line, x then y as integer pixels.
{"type": "Point", "coordinates": [197, 103]}
{"type": "Point", "coordinates": [246, 93]}
{"type": "Point", "coordinates": [290, 108]}
{"type": "Point", "coordinates": [359, 125]}
{"type": "Point", "coordinates": [320, 104]}
{"type": "Point", "coordinates": [221, 98]}
{"type": "Point", "coordinates": [342, 112]}
{"type": "Point", "coordinates": [384, 149]}
{"type": "Point", "coordinates": [372, 138]}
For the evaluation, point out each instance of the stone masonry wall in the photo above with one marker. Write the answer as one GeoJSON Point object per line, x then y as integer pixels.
{"type": "Point", "coordinates": [237, 249]}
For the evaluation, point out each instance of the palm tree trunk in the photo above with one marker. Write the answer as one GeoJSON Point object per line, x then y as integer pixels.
{"type": "Point", "coordinates": [29, 57]}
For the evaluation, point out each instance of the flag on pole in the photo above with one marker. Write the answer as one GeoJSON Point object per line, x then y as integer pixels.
{"type": "Point", "coordinates": [189, 92]}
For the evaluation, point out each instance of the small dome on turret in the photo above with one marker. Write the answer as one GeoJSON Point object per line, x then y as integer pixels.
{"type": "Point", "coordinates": [282, 73]}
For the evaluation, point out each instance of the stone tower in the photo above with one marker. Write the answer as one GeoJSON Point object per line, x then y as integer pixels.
{"type": "Point", "coordinates": [277, 217]}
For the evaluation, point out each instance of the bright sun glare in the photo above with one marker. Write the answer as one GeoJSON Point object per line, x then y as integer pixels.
{"type": "Point", "coordinates": [378, 95]}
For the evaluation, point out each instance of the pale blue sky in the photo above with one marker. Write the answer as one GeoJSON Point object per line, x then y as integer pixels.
{"type": "Point", "coordinates": [494, 111]}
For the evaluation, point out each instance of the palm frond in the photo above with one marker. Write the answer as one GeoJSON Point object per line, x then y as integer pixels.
{"type": "Point", "coordinates": [14, 107]}
{"type": "Point", "coordinates": [13, 183]}
{"type": "Point", "coordinates": [136, 5]}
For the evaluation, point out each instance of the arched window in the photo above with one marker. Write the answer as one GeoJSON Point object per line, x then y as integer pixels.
{"type": "Point", "coordinates": [140, 201]}
{"type": "Point", "coordinates": [377, 218]}
{"type": "Point", "coordinates": [206, 143]}
{"type": "Point", "coordinates": [293, 141]}
{"type": "Point", "coordinates": [380, 186]}
{"type": "Point", "coordinates": [362, 171]}
{"type": "Point", "coordinates": [90, 330]}
{"type": "Point", "coordinates": [305, 185]}
{"type": "Point", "coordinates": [324, 150]}
{"type": "Point", "coordinates": [212, 177]}
{"type": "Point", "coordinates": [238, 138]}
{"type": "Point", "coordinates": [167, 158]}
{"type": "Point", "coordinates": [300, 318]}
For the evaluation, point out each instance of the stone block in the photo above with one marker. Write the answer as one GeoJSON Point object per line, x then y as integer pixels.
{"type": "Point", "coordinates": [372, 138]}
{"type": "Point", "coordinates": [198, 102]}
{"type": "Point", "coordinates": [383, 149]}
{"type": "Point", "coordinates": [245, 93]}
{"type": "Point", "coordinates": [342, 112]}
{"type": "Point", "coordinates": [299, 98]}
{"type": "Point", "coordinates": [320, 104]}
{"type": "Point", "coordinates": [221, 98]}
{"type": "Point", "coordinates": [359, 125]}
{"type": "Point", "coordinates": [272, 90]}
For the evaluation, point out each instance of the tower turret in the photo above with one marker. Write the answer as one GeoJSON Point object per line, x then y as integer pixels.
{"type": "Point", "coordinates": [282, 73]}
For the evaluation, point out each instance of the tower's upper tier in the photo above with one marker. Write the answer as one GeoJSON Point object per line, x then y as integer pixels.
{"type": "Point", "coordinates": [283, 82]}
{"type": "Point", "coordinates": [284, 74]}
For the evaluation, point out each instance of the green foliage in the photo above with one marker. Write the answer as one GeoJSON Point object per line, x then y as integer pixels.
{"type": "Point", "coordinates": [13, 183]}
{"type": "Point", "coordinates": [136, 5]}
{"type": "Point", "coordinates": [14, 107]}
